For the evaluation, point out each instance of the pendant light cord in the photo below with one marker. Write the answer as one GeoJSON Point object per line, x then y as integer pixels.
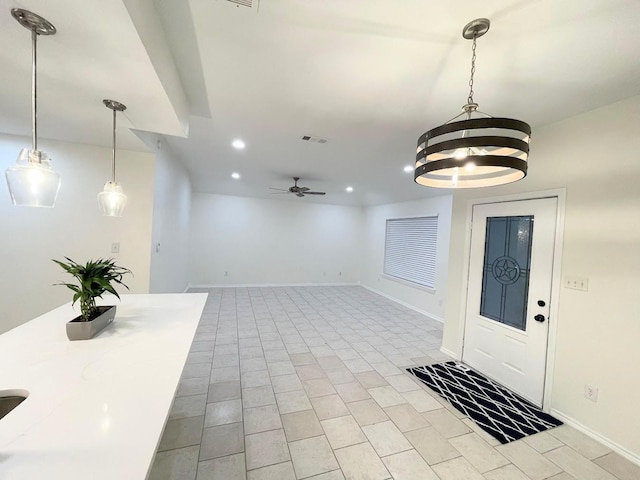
{"type": "Point", "coordinates": [473, 70]}
{"type": "Point", "coordinates": [34, 92]}
{"type": "Point", "coordinates": [113, 157]}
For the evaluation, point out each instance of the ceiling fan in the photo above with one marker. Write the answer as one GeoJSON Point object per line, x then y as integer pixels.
{"type": "Point", "coordinates": [298, 191]}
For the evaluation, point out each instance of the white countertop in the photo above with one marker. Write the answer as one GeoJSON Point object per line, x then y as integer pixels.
{"type": "Point", "coordinates": [96, 408]}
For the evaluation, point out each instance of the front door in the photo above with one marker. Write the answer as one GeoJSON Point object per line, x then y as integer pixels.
{"type": "Point", "coordinates": [510, 271]}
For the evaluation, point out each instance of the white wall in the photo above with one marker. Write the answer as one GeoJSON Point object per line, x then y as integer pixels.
{"type": "Point", "coordinates": [258, 241]}
{"type": "Point", "coordinates": [31, 237]}
{"type": "Point", "coordinates": [596, 157]}
{"type": "Point", "coordinates": [428, 301]}
{"type": "Point", "coordinates": [170, 231]}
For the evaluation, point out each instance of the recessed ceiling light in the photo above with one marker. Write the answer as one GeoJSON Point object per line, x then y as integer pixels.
{"type": "Point", "coordinates": [238, 144]}
{"type": "Point", "coordinates": [235, 175]}
{"type": "Point", "coordinates": [408, 168]}
{"type": "Point", "coordinates": [349, 189]}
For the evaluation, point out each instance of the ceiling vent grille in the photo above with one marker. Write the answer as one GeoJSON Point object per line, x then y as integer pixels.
{"type": "Point", "coordinates": [244, 3]}
{"type": "Point", "coordinates": [309, 138]}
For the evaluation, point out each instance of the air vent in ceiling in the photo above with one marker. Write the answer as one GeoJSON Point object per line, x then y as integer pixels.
{"type": "Point", "coordinates": [244, 3]}
{"type": "Point", "coordinates": [309, 138]}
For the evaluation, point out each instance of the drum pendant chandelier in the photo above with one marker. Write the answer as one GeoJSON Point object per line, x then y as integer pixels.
{"type": "Point", "coordinates": [479, 151]}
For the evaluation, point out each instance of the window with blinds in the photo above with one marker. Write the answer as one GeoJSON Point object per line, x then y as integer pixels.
{"type": "Point", "coordinates": [410, 249]}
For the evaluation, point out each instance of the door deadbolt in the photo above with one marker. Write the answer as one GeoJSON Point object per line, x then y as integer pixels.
{"type": "Point", "coordinates": [539, 318]}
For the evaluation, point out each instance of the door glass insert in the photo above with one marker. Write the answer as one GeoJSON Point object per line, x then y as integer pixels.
{"type": "Point", "coordinates": [505, 272]}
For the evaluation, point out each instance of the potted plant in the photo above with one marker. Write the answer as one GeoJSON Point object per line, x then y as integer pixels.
{"type": "Point", "coordinates": [94, 279]}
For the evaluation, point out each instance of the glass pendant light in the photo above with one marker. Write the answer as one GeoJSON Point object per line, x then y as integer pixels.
{"type": "Point", "coordinates": [32, 182]}
{"type": "Point", "coordinates": [112, 200]}
{"type": "Point", "coordinates": [479, 151]}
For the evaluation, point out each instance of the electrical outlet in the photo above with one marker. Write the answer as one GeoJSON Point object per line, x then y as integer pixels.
{"type": "Point", "coordinates": [115, 247]}
{"type": "Point", "coordinates": [590, 393]}
{"type": "Point", "coordinates": [577, 283]}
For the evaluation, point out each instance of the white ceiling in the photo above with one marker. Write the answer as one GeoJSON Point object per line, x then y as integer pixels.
{"type": "Point", "coordinates": [368, 76]}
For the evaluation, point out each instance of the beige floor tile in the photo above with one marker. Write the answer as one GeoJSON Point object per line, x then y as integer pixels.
{"type": "Point", "coordinates": [543, 442]}
{"type": "Point", "coordinates": [259, 378]}
{"type": "Point", "coordinates": [508, 472]}
{"type": "Point", "coordinates": [343, 431]}
{"type": "Point", "coordinates": [281, 471]}
{"type": "Point", "coordinates": [221, 441]}
{"type": "Point", "coordinates": [352, 392]}
{"type": "Point", "coordinates": [300, 425]}
{"type": "Point", "coordinates": [220, 392]}
{"type": "Point", "coordinates": [266, 448]}
{"type": "Point", "coordinates": [560, 476]}
{"type": "Point", "coordinates": [338, 377]}
{"type": "Point", "coordinates": [386, 369]}
{"type": "Point", "coordinates": [180, 464]}
{"type": "Point", "coordinates": [577, 465]}
{"type": "Point", "coordinates": [421, 401]}
{"type": "Point", "coordinates": [192, 386]}
{"type": "Point", "coordinates": [402, 383]}
{"type": "Point", "coordinates": [367, 412]}
{"type": "Point", "coordinates": [223, 413]}
{"type": "Point", "coordinates": [276, 355]}
{"type": "Point", "coordinates": [619, 466]}
{"type": "Point", "coordinates": [433, 447]}
{"type": "Point", "coordinates": [191, 406]}
{"type": "Point", "coordinates": [225, 374]}
{"type": "Point", "coordinates": [295, 401]}
{"type": "Point", "coordinates": [406, 417]}
{"type": "Point", "coordinates": [446, 423]}
{"type": "Point", "coordinates": [474, 427]}
{"type": "Point", "coordinates": [281, 368]}
{"type": "Point", "coordinates": [358, 365]}
{"type": "Point", "coordinates": [585, 446]}
{"type": "Point", "coordinates": [261, 419]}
{"type": "Point", "coordinates": [478, 452]}
{"type": "Point", "coordinates": [360, 462]}
{"type": "Point", "coordinates": [386, 439]}
{"type": "Point", "coordinates": [331, 363]}
{"type": "Point", "coordinates": [457, 469]}
{"type": "Point", "coordinates": [335, 475]}
{"type": "Point", "coordinates": [409, 465]}
{"type": "Point", "coordinates": [286, 383]}
{"type": "Point", "coordinates": [180, 433]}
{"type": "Point", "coordinates": [252, 364]}
{"type": "Point", "coordinates": [386, 396]}
{"type": "Point", "coordinates": [231, 467]}
{"type": "Point", "coordinates": [528, 460]}
{"type": "Point", "coordinates": [310, 372]}
{"type": "Point", "coordinates": [258, 397]}
{"type": "Point", "coordinates": [371, 379]}
{"type": "Point", "coordinates": [329, 407]}
{"type": "Point", "coordinates": [318, 387]}
{"type": "Point", "coordinates": [312, 456]}
{"type": "Point", "coordinates": [299, 359]}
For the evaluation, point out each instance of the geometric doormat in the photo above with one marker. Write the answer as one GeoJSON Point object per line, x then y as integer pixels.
{"type": "Point", "coordinates": [495, 409]}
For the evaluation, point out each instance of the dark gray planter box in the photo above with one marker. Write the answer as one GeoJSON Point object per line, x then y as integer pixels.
{"type": "Point", "coordinates": [79, 330]}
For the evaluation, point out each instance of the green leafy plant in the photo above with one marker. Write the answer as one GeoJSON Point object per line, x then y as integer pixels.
{"type": "Point", "coordinates": [94, 279]}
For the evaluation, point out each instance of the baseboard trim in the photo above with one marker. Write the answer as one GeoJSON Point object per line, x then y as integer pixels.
{"type": "Point", "coordinates": [449, 353]}
{"type": "Point", "coordinates": [269, 285]}
{"type": "Point", "coordinates": [619, 449]}
{"type": "Point", "coordinates": [405, 304]}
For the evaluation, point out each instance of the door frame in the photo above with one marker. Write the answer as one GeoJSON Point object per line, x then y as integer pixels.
{"type": "Point", "coordinates": [560, 195]}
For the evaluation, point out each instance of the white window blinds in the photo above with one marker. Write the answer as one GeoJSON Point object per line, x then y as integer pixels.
{"type": "Point", "coordinates": [410, 249]}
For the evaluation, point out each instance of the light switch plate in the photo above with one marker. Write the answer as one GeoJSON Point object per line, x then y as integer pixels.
{"type": "Point", "coordinates": [577, 283]}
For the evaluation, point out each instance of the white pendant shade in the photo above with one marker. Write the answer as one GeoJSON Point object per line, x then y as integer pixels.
{"type": "Point", "coordinates": [112, 200]}
{"type": "Point", "coordinates": [32, 182]}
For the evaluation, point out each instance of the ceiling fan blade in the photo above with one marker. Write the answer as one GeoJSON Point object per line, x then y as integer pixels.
{"type": "Point", "coordinates": [299, 194]}
{"type": "Point", "coordinates": [315, 193]}
{"type": "Point", "coordinates": [281, 189]}
{"type": "Point", "coordinates": [278, 193]}
{"type": "Point", "coordinates": [304, 189]}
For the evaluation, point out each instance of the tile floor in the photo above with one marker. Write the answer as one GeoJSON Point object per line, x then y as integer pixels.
{"type": "Point", "coordinates": [308, 383]}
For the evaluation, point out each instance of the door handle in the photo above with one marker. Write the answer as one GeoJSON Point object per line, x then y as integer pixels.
{"type": "Point", "coordinates": [539, 318]}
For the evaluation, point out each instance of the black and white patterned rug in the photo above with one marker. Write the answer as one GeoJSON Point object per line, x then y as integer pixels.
{"type": "Point", "coordinates": [495, 409]}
